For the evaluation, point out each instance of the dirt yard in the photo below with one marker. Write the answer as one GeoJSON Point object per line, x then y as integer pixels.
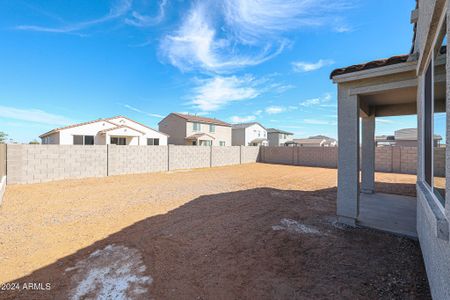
{"type": "Point", "coordinates": [255, 231]}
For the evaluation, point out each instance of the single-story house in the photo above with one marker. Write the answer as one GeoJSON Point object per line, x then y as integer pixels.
{"type": "Point", "coordinates": [406, 137]}
{"type": "Point", "coordinates": [315, 142]}
{"type": "Point", "coordinates": [416, 83]}
{"type": "Point", "coordinates": [184, 129]}
{"type": "Point", "coordinates": [279, 137]}
{"type": "Point", "coordinates": [118, 130]}
{"type": "Point", "coordinates": [249, 134]}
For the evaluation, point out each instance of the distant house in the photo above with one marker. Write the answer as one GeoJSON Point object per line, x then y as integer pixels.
{"type": "Point", "coordinates": [118, 130]}
{"type": "Point", "coordinates": [249, 134]}
{"type": "Point", "coordinates": [279, 137]}
{"type": "Point", "coordinates": [186, 129]}
{"type": "Point", "coordinates": [316, 141]}
{"type": "Point", "coordinates": [406, 137]}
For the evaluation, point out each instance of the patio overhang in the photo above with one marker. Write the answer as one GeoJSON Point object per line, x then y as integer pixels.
{"type": "Point", "coordinates": [364, 93]}
{"type": "Point", "coordinates": [200, 137]}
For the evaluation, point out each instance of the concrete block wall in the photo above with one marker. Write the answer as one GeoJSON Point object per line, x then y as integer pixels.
{"type": "Point", "coordinates": [278, 155]}
{"type": "Point", "coordinates": [189, 157]}
{"type": "Point", "coordinates": [250, 154]}
{"type": "Point", "coordinates": [325, 157]}
{"type": "Point", "coordinates": [225, 156]}
{"type": "Point", "coordinates": [383, 159]}
{"type": "Point", "coordinates": [2, 171]}
{"type": "Point", "coordinates": [41, 163]}
{"type": "Point", "coordinates": [136, 159]}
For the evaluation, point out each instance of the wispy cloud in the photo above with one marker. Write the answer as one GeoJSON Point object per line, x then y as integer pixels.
{"type": "Point", "coordinates": [215, 93]}
{"type": "Point", "coordinates": [252, 20]}
{"type": "Point", "coordinates": [33, 115]}
{"type": "Point", "coordinates": [196, 45]}
{"type": "Point", "coordinates": [302, 67]}
{"type": "Point", "coordinates": [142, 112]}
{"type": "Point", "coordinates": [319, 122]}
{"type": "Point", "coordinates": [238, 119]}
{"type": "Point", "coordinates": [323, 101]}
{"type": "Point", "coordinates": [118, 9]}
{"type": "Point", "coordinates": [272, 110]}
{"type": "Point", "coordinates": [139, 20]}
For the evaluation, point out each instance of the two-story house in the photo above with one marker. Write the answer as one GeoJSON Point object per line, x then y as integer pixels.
{"type": "Point", "coordinates": [194, 130]}
{"type": "Point", "coordinates": [279, 137]}
{"type": "Point", "coordinates": [249, 134]}
{"type": "Point", "coordinates": [118, 130]}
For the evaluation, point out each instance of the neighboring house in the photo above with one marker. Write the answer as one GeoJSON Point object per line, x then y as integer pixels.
{"type": "Point", "coordinates": [315, 141]}
{"type": "Point", "coordinates": [416, 83]}
{"type": "Point", "coordinates": [279, 137]}
{"type": "Point", "coordinates": [406, 137]}
{"type": "Point", "coordinates": [116, 130]}
{"type": "Point", "coordinates": [249, 134]}
{"type": "Point", "coordinates": [194, 130]}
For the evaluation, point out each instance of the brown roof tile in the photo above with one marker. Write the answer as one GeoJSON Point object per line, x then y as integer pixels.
{"type": "Point", "coordinates": [192, 118]}
{"type": "Point", "coordinates": [371, 65]}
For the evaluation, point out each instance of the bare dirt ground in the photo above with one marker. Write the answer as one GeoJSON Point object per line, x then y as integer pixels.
{"type": "Point", "coordinates": [255, 231]}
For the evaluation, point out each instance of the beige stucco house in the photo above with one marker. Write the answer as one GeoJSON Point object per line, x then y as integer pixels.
{"type": "Point", "coordinates": [279, 137]}
{"type": "Point", "coordinates": [118, 130]}
{"type": "Point", "coordinates": [186, 129]}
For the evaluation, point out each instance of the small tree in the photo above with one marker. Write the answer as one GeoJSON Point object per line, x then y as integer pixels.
{"type": "Point", "coordinates": [34, 142]}
{"type": "Point", "coordinates": [2, 137]}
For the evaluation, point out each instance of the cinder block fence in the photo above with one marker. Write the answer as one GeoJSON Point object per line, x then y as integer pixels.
{"type": "Point", "coordinates": [41, 163]}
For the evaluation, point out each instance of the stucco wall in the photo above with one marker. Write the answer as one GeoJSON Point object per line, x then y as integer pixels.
{"type": "Point", "coordinates": [224, 156]}
{"type": "Point", "coordinates": [40, 163]}
{"type": "Point", "coordinates": [137, 159]}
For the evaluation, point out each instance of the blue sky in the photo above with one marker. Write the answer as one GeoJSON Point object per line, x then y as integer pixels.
{"type": "Point", "coordinates": [269, 61]}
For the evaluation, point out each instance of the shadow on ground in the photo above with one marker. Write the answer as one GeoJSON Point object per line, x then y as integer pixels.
{"type": "Point", "coordinates": [254, 244]}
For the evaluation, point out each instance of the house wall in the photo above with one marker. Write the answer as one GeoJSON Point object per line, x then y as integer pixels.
{"type": "Point", "coordinates": [66, 135]}
{"type": "Point", "coordinates": [274, 138]}
{"type": "Point", "coordinates": [148, 132]}
{"type": "Point", "coordinates": [238, 136]}
{"type": "Point", "coordinates": [222, 133]}
{"type": "Point", "coordinates": [432, 219]}
{"type": "Point", "coordinates": [175, 127]}
{"type": "Point", "coordinates": [282, 141]}
{"type": "Point", "coordinates": [254, 131]}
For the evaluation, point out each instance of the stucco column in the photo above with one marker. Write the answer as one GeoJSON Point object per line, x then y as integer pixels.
{"type": "Point", "coordinates": [368, 154]}
{"type": "Point", "coordinates": [348, 158]}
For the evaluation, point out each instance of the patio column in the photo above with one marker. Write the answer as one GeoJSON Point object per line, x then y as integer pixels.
{"type": "Point", "coordinates": [368, 154]}
{"type": "Point", "coordinates": [348, 157]}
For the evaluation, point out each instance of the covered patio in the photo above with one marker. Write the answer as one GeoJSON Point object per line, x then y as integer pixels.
{"type": "Point", "coordinates": [376, 89]}
{"type": "Point", "coordinates": [200, 139]}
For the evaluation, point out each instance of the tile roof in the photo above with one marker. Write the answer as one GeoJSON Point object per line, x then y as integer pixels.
{"type": "Point", "coordinates": [245, 125]}
{"type": "Point", "coordinates": [274, 130]}
{"type": "Point", "coordinates": [371, 65]}
{"type": "Point", "coordinates": [193, 118]}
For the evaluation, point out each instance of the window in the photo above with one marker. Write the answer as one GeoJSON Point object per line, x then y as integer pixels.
{"type": "Point", "coordinates": [118, 141]}
{"type": "Point", "coordinates": [222, 143]}
{"type": "Point", "coordinates": [196, 127]}
{"type": "Point", "coordinates": [152, 142]}
{"type": "Point", "coordinates": [205, 143]}
{"type": "Point", "coordinates": [83, 140]}
{"type": "Point", "coordinates": [89, 140]}
{"type": "Point", "coordinates": [212, 128]}
{"type": "Point", "coordinates": [78, 140]}
{"type": "Point", "coordinates": [439, 120]}
{"type": "Point", "coordinates": [435, 119]}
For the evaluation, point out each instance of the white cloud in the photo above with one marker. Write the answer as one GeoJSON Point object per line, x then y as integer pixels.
{"type": "Point", "coordinates": [258, 112]}
{"type": "Point", "coordinates": [310, 102]}
{"type": "Point", "coordinates": [308, 67]}
{"type": "Point", "coordinates": [215, 93]}
{"type": "Point", "coordinates": [139, 20]}
{"type": "Point", "coordinates": [252, 20]}
{"type": "Point", "coordinates": [323, 101]}
{"type": "Point", "coordinates": [143, 112]}
{"type": "Point", "coordinates": [319, 122]}
{"type": "Point", "coordinates": [119, 9]}
{"type": "Point", "coordinates": [272, 110]}
{"type": "Point", "coordinates": [195, 45]}
{"type": "Point", "coordinates": [33, 115]}
{"type": "Point", "coordinates": [237, 119]}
